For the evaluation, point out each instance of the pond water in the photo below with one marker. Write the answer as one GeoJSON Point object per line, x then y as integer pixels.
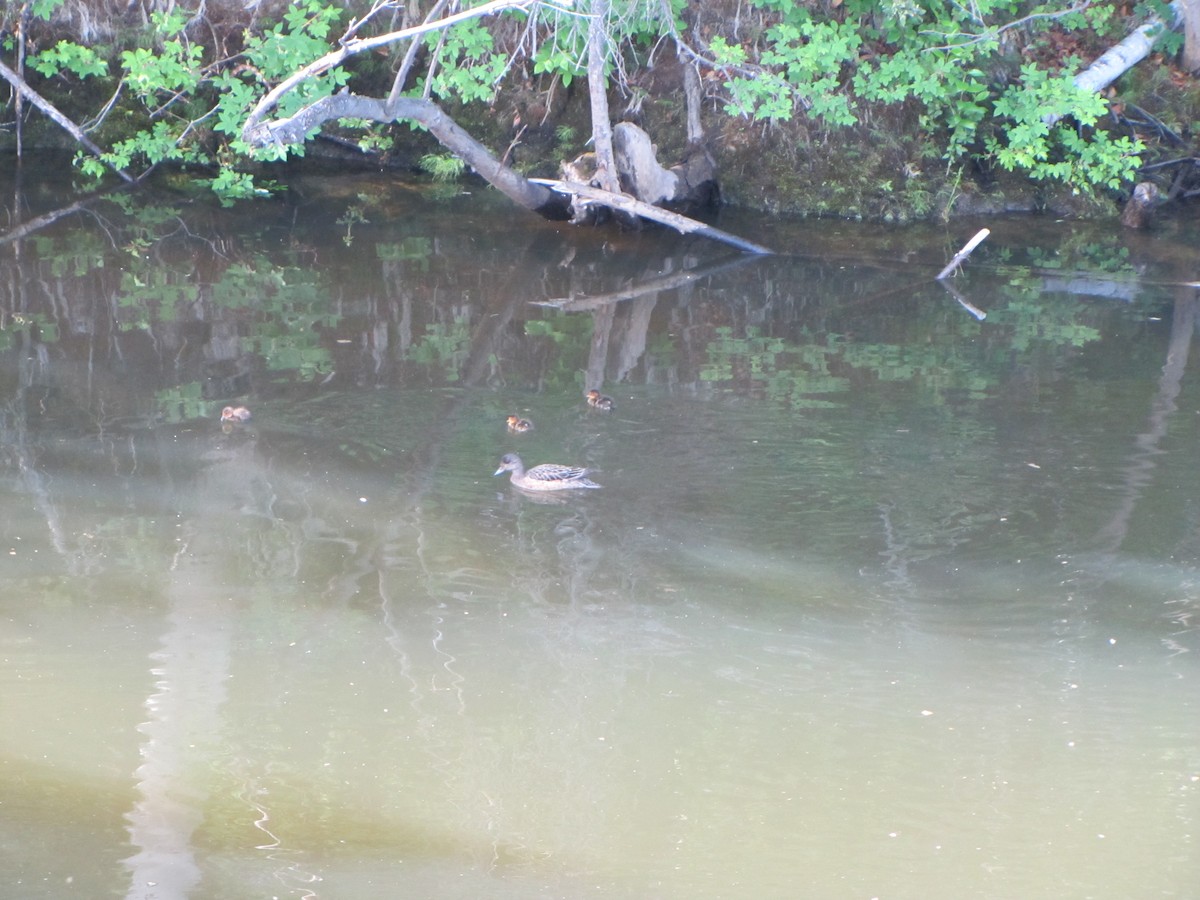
{"type": "Point", "coordinates": [879, 598]}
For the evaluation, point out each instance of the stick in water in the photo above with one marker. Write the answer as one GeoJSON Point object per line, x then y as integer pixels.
{"type": "Point", "coordinates": [964, 253]}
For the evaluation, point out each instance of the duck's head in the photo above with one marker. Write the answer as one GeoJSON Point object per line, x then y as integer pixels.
{"type": "Point", "coordinates": [509, 462]}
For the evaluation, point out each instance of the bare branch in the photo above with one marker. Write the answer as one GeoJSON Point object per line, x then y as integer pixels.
{"type": "Point", "coordinates": [355, 46]}
{"type": "Point", "coordinates": [410, 56]}
{"type": "Point", "coordinates": [57, 117]}
{"type": "Point", "coordinates": [994, 32]}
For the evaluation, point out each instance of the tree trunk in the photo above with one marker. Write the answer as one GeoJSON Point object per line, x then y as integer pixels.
{"type": "Point", "coordinates": [1191, 35]}
{"type": "Point", "coordinates": [606, 167]}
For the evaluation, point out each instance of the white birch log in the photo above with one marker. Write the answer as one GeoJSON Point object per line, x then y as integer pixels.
{"type": "Point", "coordinates": [1119, 59]}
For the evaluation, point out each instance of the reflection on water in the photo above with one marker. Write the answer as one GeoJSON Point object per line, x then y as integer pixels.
{"type": "Point", "coordinates": [878, 599]}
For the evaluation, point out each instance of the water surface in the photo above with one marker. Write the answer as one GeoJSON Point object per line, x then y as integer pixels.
{"type": "Point", "coordinates": [879, 598]}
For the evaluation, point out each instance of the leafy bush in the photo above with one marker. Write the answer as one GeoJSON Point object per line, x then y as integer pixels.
{"type": "Point", "coordinates": [948, 61]}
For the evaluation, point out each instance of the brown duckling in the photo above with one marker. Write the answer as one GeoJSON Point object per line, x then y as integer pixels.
{"type": "Point", "coordinates": [517, 425]}
{"type": "Point", "coordinates": [235, 414]}
{"type": "Point", "coordinates": [596, 400]}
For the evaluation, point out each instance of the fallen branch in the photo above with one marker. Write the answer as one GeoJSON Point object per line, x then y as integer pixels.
{"type": "Point", "coordinates": [964, 253]}
{"type": "Point", "coordinates": [627, 204]}
{"type": "Point", "coordinates": [52, 113]}
{"type": "Point", "coordinates": [295, 129]}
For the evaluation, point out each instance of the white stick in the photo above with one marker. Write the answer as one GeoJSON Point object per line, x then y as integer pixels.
{"type": "Point", "coordinates": [964, 253]}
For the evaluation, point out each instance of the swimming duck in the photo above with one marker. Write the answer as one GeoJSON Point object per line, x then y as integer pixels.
{"type": "Point", "coordinates": [599, 401]}
{"type": "Point", "coordinates": [546, 477]}
{"type": "Point", "coordinates": [517, 425]}
{"type": "Point", "coordinates": [235, 414]}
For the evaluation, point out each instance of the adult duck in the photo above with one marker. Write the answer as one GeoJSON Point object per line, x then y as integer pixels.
{"type": "Point", "coordinates": [546, 477]}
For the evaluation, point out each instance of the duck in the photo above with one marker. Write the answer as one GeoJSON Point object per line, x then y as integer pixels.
{"type": "Point", "coordinates": [235, 414]}
{"type": "Point", "coordinates": [598, 401]}
{"type": "Point", "coordinates": [517, 425]}
{"type": "Point", "coordinates": [546, 477]}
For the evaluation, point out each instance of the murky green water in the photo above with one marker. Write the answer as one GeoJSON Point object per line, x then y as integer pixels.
{"type": "Point", "coordinates": [879, 599]}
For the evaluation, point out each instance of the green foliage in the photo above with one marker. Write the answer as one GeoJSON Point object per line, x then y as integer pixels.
{"type": "Point", "coordinates": [300, 37]}
{"type": "Point", "coordinates": [444, 344]}
{"type": "Point", "coordinates": [44, 9]}
{"type": "Point", "coordinates": [953, 95]}
{"type": "Point", "coordinates": [562, 51]}
{"type": "Point", "coordinates": [941, 62]}
{"type": "Point", "coordinates": [443, 166]}
{"type": "Point", "coordinates": [788, 372]}
{"type": "Point", "coordinates": [29, 327]}
{"type": "Point", "coordinates": [1169, 41]}
{"type": "Point", "coordinates": [810, 57]}
{"type": "Point", "coordinates": [355, 214]}
{"type": "Point", "coordinates": [296, 311]}
{"type": "Point", "coordinates": [230, 185]}
{"type": "Point", "coordinates": [942, 59]}
{"type": "Point", "coordinates": [469, 68]}
{"type": "Point", "coordinates": [183, 403]}
{"type": "Point", "coordinates": [1060, 151]}
{"type": "Point", "coordinates": [565, 339]}
{"type": "Point", "coordinates": [417, 248]}
{"type": "Point", "coordinates": [68, 57]}
{"type": "Point", "coordinates": [152, 295]}
{"type": "Point", "coordinates": [564, 136]}
{"type": "Point", "coordinates": [172, 67]}
{"type": "Point", "coordinates": [187, 100]}
{"type": "Point", "coordinates": [1029, 320]}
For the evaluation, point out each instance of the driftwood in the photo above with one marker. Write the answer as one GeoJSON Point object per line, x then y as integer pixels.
{"type": "Point", "coordinates": [627, 204]}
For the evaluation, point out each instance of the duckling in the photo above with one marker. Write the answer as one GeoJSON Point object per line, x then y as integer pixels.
{"type": "Point", "coordinates": [546, 477]}
{"type": "Point", "coordinates": [517, 425]}
{"type": "Point", "coordinates": [235, 414]}
{"type": "Point", "coordinates": [597, 400]}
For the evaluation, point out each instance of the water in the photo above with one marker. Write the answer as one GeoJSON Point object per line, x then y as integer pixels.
{"type": "Point", "coordinates": [878, 599]}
